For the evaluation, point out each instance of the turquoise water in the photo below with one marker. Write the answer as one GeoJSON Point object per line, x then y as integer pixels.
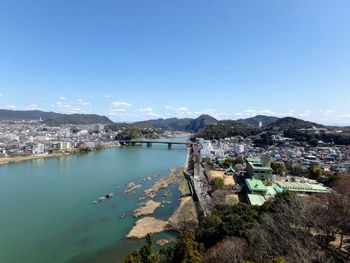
{"type": "Point", "coordinates": [47, 213]}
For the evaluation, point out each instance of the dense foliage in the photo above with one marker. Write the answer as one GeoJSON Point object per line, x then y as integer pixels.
{"type": "Point", "coordinates": [186, 250]}
{"type": "Point", "coordinates": [130, 133]}
{"type": "Point", "coordinates": [225, 129]}
{"type": "Point", "coordinates": [175, 124]}
{"type": "Point", "coordinates": [226, 221]}
{"type": "Point", "coordinates": [231, 162]}
{"type": "Point", "coordinates": [255, 121]}
{"type": "Point", "coordinates": [264, 140]}
{"type": "Point", "coordinates": [278, 167]}
{"type": "Point", "coordinates": [217, 183]}
{"type": "Point", "coordinates": [292, 123]}
{"type": "Point", "coordinates": [312, 139]}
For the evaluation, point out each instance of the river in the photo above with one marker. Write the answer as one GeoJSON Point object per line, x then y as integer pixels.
{"type": "Point", "coordinates": [47, 214]}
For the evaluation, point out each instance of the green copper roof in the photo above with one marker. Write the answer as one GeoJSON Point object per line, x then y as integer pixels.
{"type": "Point", "coordinates": [256, 199]}
{"type": "Point", "coordinates": [230, 169]}
{"type": "Point", "coordinates": [255, 185]}
{"type": "Point", "coordinates": [303, 187]}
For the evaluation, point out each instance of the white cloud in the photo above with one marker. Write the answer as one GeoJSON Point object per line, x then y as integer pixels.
{"type": "Point", "coordinates": [106, 96]}
{"type": "Point", "coordinates": [10, 107]}
{"type": "Point", "coordinates": [148, 112]}
{"type": "Point", "coordinates": [253, 112]}
{"type": "Point", "coordinates": [0, 94]}
{"type": "Point", "coordinates": [68, 107]}
{"type": "Point", "coordinates": [326, 112]}
{"type": "Point", "coordinates": [32, 107]}
{"type": "Point", "coordinates": [345, 116]}
{"type": "Point", "coordinates": [62, 98]}
{"type": "Point", "coordinates": [182, 111]}
{"type": "Point", "coordinates": [120, 105]}
{"type": "Point", "coordinates": [83, 103]}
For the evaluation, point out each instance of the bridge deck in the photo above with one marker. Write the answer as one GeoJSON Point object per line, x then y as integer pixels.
{"type": "Point", "coordinates": [151, 142]}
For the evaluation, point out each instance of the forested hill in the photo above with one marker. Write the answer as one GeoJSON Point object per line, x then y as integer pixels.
{"type": "Point", "coordinates": [18, 115]}
{"type": "Point", "coordinates": [228, 128]}
{"type": "Point", "coordinates": [176, 124]}
{"type": "Point", "coordinates": [293, 123]}
{"type": "Point", "coordinates": [255, 121]}
{"type": "Point", "coordinates": [53, 118]}
{"type": "Point", "coordinates": [83, 119]}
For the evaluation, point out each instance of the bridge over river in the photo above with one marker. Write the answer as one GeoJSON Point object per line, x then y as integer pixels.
{"type": "Point", "coordinates": [150, 143]}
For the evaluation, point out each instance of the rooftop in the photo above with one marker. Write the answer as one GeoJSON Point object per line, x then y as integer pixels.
{"type": "Point", "coordinates": [255, 185]}
{"type": "Point", "coordinates": [260, 163]}
{"type": "Point", "coordinates": [256, 199]}
{"type": "Point", "coordinates": [302, 187]}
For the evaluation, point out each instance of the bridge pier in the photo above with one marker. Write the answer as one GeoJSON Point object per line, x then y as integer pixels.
{"type": "Point", "coordinates": [149, 144]}
{"type": "Point", "coordinates": [169, 145]}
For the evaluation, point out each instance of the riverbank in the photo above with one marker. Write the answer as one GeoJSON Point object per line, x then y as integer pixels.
{"type": "Point", "coordinates": [6, 160]}
{"type": "Point", "coordinates": [17, 159]}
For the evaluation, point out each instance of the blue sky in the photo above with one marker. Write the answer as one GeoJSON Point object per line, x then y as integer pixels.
{"type": "Point", "coordinates": [133, 60]}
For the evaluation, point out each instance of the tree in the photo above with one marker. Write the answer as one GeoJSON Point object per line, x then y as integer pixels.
{"type": "Point", "coordinates": [227, 220]}
{"type": "Point", "coordinates": [146, 251]}
{"type": "Point", "coordinates": [228, 162]}
{"type": "Point", "coordinates": [284, 229]}
{"type": "Point", "coordinates": [230, 250]}
{"type": "Point", "coordinates": [133, 257]}
{"type": "Point", "coordinates": [316, 172]}
{"type": "Point", "coordinates": [277, 260]}
{"type": "Point", "coordinates": [186, 249]}
{"type": "Point", "coordinates": [265, 140]}
{"type": "Point", "coordinates": [217, 183]}
{"type": "Point", "coordinates": [296, 169]}
{"type": "Point", "coordinates": [278, 167]}
{"type": "Point", "coordinates": [142, 255]}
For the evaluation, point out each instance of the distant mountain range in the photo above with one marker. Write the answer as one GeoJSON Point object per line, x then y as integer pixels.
{"type": "Point", "coordinates": [17, 115]}
{"type": "Point", "coordinates": [203, 121]}
{"type": "Point", "coordinates": [292, 123]}
{"type": "Point", "coordinates": [255, 121]}
{"type": "Point", "coordinates": [53, 118]}
{"type": "Point", "coordinates": [196, 125]}
{"type": "Point", "coordinates": [186, 124]}
{"type": "Point", "coordinates": [78, 119]}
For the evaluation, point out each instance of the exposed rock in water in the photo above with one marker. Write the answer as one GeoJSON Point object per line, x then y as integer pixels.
{"type": "Point", "coordinates": [160, 184]}
{"type": "Point", "coordinates": [147, 225]}
{"type": "Point", "coordinates": [164, 241]}
{"type": "Point", "coordinates": [131, 187]}
{"type": "Point", "coordinates": [148, 208]}
{"type": "Point", "coordinates": [184, 215]}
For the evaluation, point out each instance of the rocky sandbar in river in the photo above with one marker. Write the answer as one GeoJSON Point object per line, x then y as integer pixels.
{"type": "Point", "coordinates": [160, 184]}
{"type": "Point", "coordinates": [148, 208]}
{"type": "Point", "coordinates": [147, 225]}
{"type": "Point", "coordinates": [184, 215]}
{"type": "Point", "coordinates": [131, 187]}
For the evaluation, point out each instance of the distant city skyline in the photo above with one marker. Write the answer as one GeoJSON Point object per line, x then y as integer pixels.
{"type": "Point", "coordinates": [139, 60]}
